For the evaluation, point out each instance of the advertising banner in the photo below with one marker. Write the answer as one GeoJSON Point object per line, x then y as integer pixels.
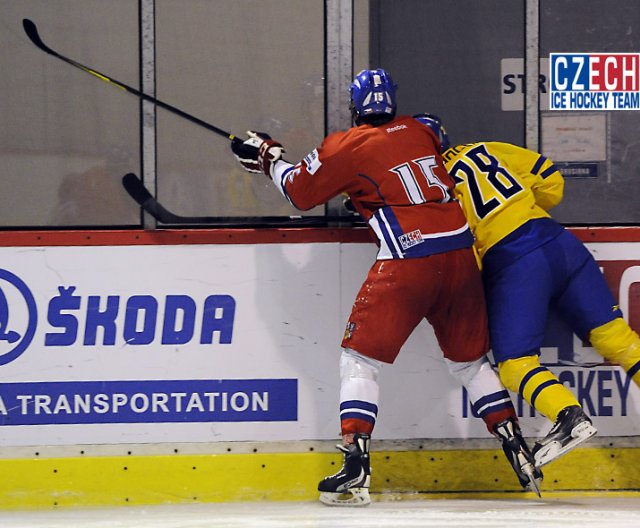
{"type": "Point", "coordinates": [240, 342]}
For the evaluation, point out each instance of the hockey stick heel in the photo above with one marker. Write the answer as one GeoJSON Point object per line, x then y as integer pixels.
{"type": "Point", "coordinates": [136, 189]}
{"type": "Point", "coordinates": [143, 197]}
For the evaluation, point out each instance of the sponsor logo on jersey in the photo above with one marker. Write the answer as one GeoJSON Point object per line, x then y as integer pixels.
{"type": "Point", "coordinates": [411, 239]}
{"type": "Point", "coordinates": [396, 128]}
{"type": "Point", "coordinates": [312, 161]}
{"type": "Point", "coordinates": [594, 81]}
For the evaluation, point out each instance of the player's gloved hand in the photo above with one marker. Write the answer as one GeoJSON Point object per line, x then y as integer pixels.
{"type": "Point", "coordinates": [258, 153]}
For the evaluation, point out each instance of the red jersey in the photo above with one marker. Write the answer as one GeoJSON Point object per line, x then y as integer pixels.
{"type": "Point", "coordinates": [395, 178]}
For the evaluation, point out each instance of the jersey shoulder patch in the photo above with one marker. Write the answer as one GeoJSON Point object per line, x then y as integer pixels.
{"type": "Point", "coordinates": [312, 161]}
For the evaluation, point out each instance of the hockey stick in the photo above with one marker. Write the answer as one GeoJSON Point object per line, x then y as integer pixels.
{"type": "Point", "coordinates": [32, 32]}
{"type": "Point", "coordinates": [134, 186]}
{"type": "Point", "coordinates": [145, 199]}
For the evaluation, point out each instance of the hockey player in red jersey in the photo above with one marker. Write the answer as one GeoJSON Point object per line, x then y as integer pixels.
{"type": "Point", "coordinates": [392, 171]}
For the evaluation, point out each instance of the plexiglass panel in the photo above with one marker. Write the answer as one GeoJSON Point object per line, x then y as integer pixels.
{"type": "Point", "coordinates": [67, 137]}
{"type": "Point", "coordinates": [241, 65]}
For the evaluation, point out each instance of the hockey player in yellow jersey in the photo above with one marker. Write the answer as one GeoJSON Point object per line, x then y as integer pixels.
{"type": "Point", "coordinates": [530, 263]}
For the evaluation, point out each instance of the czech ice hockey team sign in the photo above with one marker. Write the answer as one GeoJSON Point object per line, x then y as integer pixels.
{"type": "Point", "coordinates": [594, 81]}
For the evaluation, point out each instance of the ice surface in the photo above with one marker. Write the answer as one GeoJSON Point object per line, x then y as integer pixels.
{"type": "Point", "coordinates": [601, 512]}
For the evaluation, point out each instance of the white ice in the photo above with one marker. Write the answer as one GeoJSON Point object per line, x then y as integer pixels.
{"type": "Point", "coordinates": [600, 512]}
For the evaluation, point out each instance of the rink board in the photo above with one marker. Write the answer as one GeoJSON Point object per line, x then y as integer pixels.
{"type": "Point", "coordinates": [179, 479]}
{"type": "Point", "coordinates": [114, 338]}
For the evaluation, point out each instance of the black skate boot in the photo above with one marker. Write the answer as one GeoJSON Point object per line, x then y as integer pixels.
{"type": "Point", "coordinates": [572, 427]}
{"type": "Point", "coordinates": [350, 486]}
{"type": "Point", "coordinates": [519, 455]}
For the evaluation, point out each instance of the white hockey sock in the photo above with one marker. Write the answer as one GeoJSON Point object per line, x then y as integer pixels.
{"type": "Point", "coordinates": [490, 400]}
{"type": "Point", "coordinates": [359, 392]}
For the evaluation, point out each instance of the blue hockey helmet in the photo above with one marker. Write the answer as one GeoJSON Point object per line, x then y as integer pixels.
{"type": "Point", "coordinates": [373, 93]}
{"type": "Point", "coordinates": [435, 124]}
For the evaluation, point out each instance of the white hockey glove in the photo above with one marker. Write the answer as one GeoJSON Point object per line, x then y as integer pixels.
{"type": "Point", "coordinates": [258, 153]}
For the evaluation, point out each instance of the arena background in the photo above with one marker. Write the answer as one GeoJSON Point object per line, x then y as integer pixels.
{"type": "Point", "coordinates": [145, 362]}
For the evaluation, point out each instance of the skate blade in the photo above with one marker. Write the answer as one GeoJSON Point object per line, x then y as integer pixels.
{"type": "Point", "coordinates": [554, 450]}
{"type": "Point", "coordinates": [534, 484]}
{"type": "Point", "coordinates": [351, 497]}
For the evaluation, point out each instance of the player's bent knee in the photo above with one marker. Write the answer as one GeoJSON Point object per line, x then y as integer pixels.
{"type": "Point", "coordinates": [615, 341]}
{"type": "Point", "coordinates": [465, 371]}
{"type": "Point", "coordinates": [513, 371]}
{"type": "Point", "coordinates": [355, 365]}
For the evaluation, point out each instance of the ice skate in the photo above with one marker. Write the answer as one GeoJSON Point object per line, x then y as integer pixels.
{"type": "Point", "coordinates": [350, 486]}
{"type": "Point", "coordinates": [519, 455]}
{"type": "Point", "coordinates": [572, 428]}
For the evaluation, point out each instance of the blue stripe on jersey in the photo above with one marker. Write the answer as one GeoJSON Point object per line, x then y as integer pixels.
{"type": "Point", "coordinates": [538, 164]}
{"type": "Point", "coordinates": [390, 229]}
{"type": "Point", "coordinates": [283, 187]}
{"type": "Point", "coordinates": [440, 243]}
{"type": "Point", "coordinates": [387, 230]}
{"type": "Point", "coordinates": [548, 172]}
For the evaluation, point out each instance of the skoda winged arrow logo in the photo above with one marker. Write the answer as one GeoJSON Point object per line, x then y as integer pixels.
{"type": "Point", "coordinates": [15, 337]}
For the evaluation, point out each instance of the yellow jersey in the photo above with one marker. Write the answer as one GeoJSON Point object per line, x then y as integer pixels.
{"type": "Point", "coordinates": [501, 187]}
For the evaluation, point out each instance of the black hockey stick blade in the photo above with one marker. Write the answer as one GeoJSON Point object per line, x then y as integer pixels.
{"type": "Point", "coordinates": [32, 32]}
{"type": "Point", "coordinates": [144, 198]}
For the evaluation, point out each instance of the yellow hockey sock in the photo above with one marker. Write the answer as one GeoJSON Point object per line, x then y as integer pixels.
{"type": "Point", "coordinates": [617, 342]}
{"type": "Point", "coordinates": [538, 386]}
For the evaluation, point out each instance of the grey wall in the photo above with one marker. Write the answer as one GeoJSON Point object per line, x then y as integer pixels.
{"type": "Point", "coordinates": [446, 58]}
{"type": "Point", "coordinates": [599, 26]}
